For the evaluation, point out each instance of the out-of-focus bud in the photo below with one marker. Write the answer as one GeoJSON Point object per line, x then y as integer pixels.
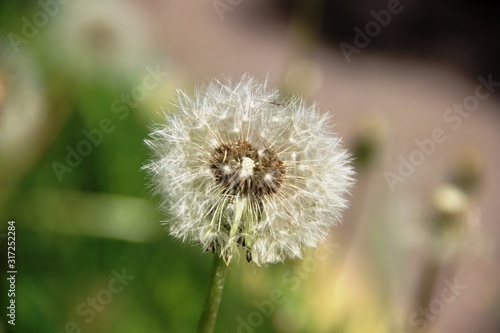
{"type": "Point", "coordinates": [450, 217]}
{"type": "Point", "coordinates": [369, 142]}
{"type": "Point", "coordinates": [467, 174]}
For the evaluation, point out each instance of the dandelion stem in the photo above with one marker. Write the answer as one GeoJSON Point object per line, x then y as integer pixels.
{"type": "Point", "coordinates": [208, 315]}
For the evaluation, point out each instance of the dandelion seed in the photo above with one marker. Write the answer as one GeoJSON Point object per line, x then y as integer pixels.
{"type": "Point", "coordinates": [236, 169]}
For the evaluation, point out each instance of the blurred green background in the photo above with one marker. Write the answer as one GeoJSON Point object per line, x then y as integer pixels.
{"type": "Point", "coordinates": [82, 81]}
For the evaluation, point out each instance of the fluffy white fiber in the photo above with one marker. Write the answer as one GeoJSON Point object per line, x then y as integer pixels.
{"type": "Point", "coordinates": [239, 168]}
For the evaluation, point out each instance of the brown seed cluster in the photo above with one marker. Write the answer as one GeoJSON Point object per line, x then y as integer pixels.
{"type": "Point", "coordinates": [227, 166]}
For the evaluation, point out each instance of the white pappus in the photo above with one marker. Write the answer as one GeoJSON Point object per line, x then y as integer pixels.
{"type": "Point", "coordinates": [239, 168]}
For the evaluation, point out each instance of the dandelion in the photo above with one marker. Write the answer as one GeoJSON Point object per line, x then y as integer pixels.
{"type": "Point", "coordinates": [238, 168]}
{"type": "Point", "coordinates": [22, 112]}
{"type": "Point", "coordinates": [96, 37]}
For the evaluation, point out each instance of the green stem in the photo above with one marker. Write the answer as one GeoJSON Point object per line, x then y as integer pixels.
{"type": "Point", "coordinates": [214, 294]}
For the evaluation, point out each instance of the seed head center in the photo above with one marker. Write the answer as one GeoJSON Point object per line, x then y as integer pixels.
{"type": "Point", "coordinates": [242, 169]}
{"type": "Point", "coordinates": [247, 165]}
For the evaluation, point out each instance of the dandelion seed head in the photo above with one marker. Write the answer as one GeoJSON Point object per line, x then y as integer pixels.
{"type": "Point", "coordinates": [236, 170]}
